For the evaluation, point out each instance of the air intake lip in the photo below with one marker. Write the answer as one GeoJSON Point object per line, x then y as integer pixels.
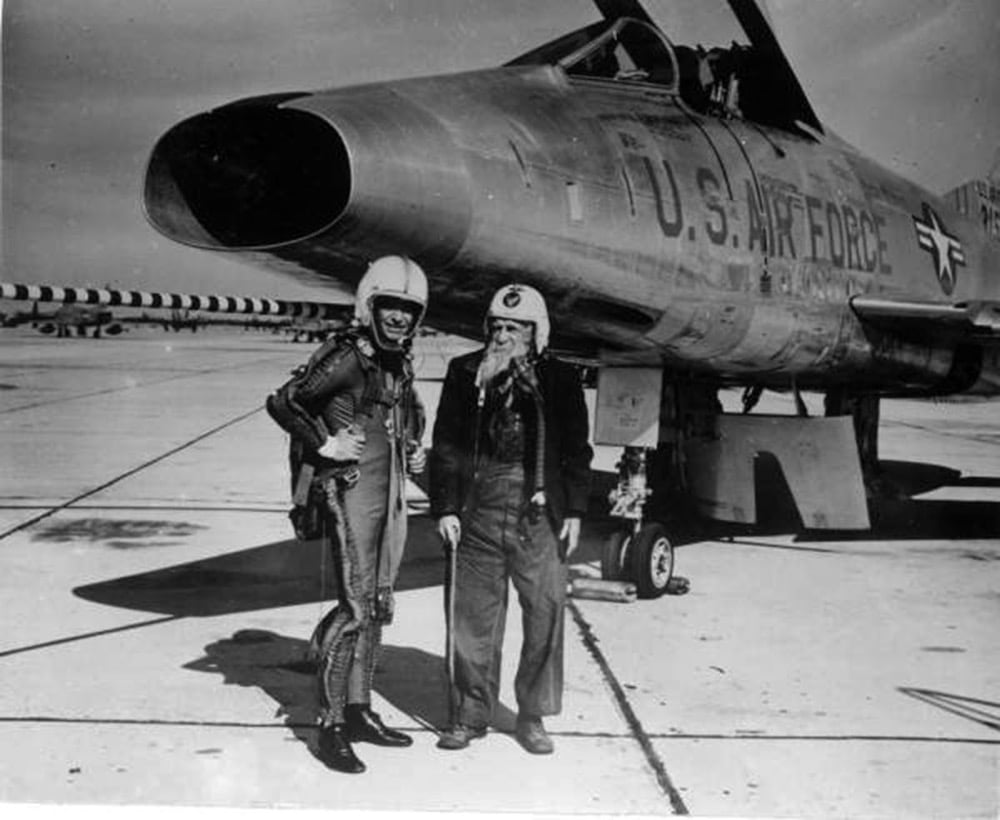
{"type": "Point", "coordinates": [248, 175]}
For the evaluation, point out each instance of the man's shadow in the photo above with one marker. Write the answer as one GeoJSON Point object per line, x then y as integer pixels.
{"type": "Point", "coordinates": [412, 680]}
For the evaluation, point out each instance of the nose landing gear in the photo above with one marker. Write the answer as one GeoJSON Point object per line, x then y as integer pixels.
{"type": "Point", "coordinates": [642, 554]}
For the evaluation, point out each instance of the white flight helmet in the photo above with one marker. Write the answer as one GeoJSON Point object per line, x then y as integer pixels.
{"type": "Point", "coordinates": [523, 304]}
{"type": "Point", "coordinates": [390, 276]}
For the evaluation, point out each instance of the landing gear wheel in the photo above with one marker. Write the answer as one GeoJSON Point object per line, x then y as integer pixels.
{"type": "Point", "coordinates": [615, 556]}
{"type": "Point", "coordinates": [651, 561]}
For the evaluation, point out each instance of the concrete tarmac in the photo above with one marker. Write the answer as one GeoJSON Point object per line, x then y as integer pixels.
{"type": "Point", "coordinates": [156, 612]}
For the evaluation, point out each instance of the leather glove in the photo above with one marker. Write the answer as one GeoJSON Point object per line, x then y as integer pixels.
{"type": "Point", "coordinates": [345, 445]}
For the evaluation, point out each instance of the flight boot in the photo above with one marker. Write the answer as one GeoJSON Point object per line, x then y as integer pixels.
{"type": "Point", "coordinates": [365, 725]}
{"type": "Point", "coordinates": [335, 752]}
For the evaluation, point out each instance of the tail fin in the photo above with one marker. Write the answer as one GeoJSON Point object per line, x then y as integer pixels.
{"type": "Point", "coordinates": [981, 198]}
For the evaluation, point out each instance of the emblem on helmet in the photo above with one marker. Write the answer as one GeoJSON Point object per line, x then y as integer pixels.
{"type": "Point", "coordinates": [512, 298]}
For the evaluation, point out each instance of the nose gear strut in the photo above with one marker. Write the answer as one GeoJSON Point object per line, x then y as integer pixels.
{"type": "Point", "coordinates": [643, 553]}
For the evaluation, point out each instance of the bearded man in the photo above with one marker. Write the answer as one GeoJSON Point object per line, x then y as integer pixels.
{"type": "Point", "coordinates": [509, 482]}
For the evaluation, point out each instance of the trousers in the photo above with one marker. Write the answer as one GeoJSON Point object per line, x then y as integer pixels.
{"type": "Point", "coordinates": [502, 542]}
{"type": "Point", "coordinates": [366, 527]}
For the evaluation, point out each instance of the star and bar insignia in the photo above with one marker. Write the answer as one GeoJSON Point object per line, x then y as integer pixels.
{"type": "Point", "coordinates": [946, 249]}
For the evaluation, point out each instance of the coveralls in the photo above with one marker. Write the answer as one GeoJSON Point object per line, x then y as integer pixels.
{"type": "Point", "coordinates": [350, 381]}
{"type": "Point", "coordinates": [485, 467]}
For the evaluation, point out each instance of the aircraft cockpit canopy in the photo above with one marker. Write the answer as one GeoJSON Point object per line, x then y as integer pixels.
{"type": "Point", "coordinates": [735, 75]}
{"type": "Point", "coordinates": [629, 51]}
{"type": "Point", "coordinates": [625, 50]}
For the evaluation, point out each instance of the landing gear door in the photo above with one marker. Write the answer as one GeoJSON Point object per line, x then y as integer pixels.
{"type": "Point", "coordinates": [628, 406]}
{"type": "Point", "coordinates": [817, 459]}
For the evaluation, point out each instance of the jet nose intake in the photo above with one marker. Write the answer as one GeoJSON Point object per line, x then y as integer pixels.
{"type": "Point", "coordinates": [346, 174]}
{"type": "Point", "coordinates": [248, 175]}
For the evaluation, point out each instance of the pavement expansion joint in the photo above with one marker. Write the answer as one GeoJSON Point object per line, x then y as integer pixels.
{"type": "Point", "coordinates": [621, 699]}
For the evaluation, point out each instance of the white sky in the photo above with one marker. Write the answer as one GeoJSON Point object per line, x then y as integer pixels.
{"type": "Point", "coordinates": [89, 85]}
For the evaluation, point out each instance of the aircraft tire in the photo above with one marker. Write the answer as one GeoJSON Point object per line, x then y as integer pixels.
{"type": "Point", "coordinates": [615, 555]}
{"type": "Point", "coordinates": [651, 563]}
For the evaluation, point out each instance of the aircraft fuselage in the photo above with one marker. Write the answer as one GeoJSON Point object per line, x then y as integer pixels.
{"type": "Point", "coordinates": [707, 243]}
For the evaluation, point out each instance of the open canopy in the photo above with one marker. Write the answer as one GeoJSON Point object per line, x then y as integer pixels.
{"type": "Point", "coordinates": [746, 77]}
{"type": "Point", "coordinates": [624, 49]}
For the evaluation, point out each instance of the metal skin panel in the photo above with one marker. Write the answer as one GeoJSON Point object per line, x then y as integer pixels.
{"type": "Point", "coordinates": [713, 246]}
{"type": "Point", "coordinates": [911, 271]}
{"type": "Point", "coordinates": [408, 185]}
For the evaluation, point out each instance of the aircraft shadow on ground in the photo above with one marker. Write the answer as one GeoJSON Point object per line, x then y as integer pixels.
{"type": "Point", "coordinates": [285, 573]}
{"type": "Point", "coordinates": [412, 680]}
{"type": "Point", "coordinates": [984, 712]}
{"type": "Point", "coordinates": [288, 573]}
{"type": "Point", "coordinates": [895, 514]}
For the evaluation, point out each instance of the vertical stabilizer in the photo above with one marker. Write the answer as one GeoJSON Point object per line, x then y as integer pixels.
{"type": "Point", "coordinates": [980, 200]}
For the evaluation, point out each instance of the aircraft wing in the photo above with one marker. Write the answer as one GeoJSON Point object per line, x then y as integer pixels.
{"type": "Point", "coordinates": [979, 321]}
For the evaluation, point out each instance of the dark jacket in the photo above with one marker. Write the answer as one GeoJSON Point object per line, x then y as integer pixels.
{"type": "Point", "coordinates": [567, 451]}
{"type": "Point", "coordinates": [343, 381]}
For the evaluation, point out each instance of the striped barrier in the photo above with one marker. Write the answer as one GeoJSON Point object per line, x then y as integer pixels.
{"type": "Point", "coordinates": [174, 301]}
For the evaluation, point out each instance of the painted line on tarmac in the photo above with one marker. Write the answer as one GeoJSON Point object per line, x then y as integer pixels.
{"type": "Point", "coordinates": [181, 375]}
{"type": "Point", "coordinates": [62, 399]}
{"type": "Point", "coordinates": [155, 508]}
{"type": "Point", "coordinates": [128, 473]}
{"type": "Point", "coordinates": [426, 727]}
{"type": "Point", "coordinates": [73, 638]}
{"type": "Point", "coordinates": [106, 391]}
{"type": "Point", "coordinates": [207, 724]}
{"type": "Point", "coordinates": [621, 699]}
{"type": "Point", "coordinates": [222, 724]}
{"type": "Point", "coordinates": [237, 724]}
{"type": "Point", "coordinates": [813, 738]}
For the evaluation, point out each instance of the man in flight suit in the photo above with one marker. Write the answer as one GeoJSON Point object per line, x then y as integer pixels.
{"type": "Point", "coordinates": [353, 415]}
{"type": "Point", "coordinates": [509, 481]}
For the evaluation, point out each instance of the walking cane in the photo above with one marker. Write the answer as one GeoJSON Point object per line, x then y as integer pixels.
{"type": "Point", "coordinates": [452, 549]}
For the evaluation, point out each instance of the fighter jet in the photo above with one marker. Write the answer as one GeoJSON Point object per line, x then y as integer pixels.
{"type": "Point", "coordinates": [690, 221]}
